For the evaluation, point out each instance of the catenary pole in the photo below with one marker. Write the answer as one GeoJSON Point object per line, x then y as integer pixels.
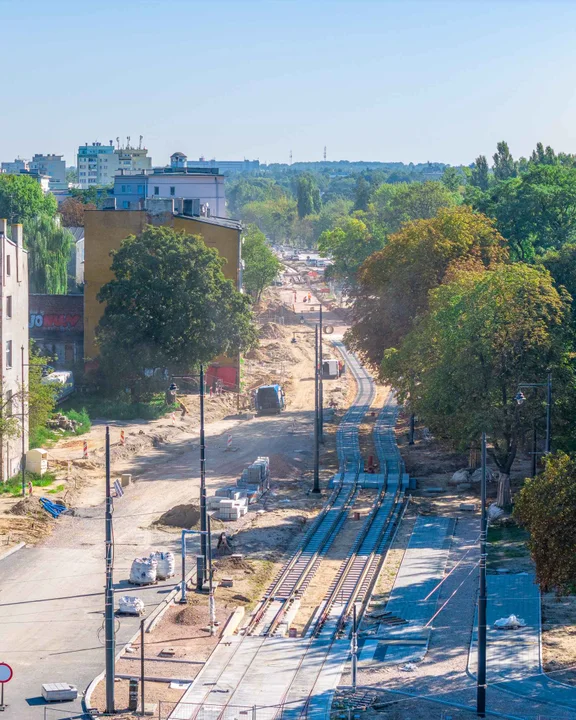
{"type": "Point", "coordinates": [109, 591]}
{"type": "Point", "coordinates": [549, 413]}
{"type": "Point", "coordinates": [321, 379]}
{"type": "Point", "coordinates": [142, 704]}
{"type": "Point", "coordinates": [316, 487]}
{"type": "Point", "coordinates": [23, 421]}
{"type": "Point", "coordinates": [482, 600]}
{"type": "Point", "coordinates": [203, 520]}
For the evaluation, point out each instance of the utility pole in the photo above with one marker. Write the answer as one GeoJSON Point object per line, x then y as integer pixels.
{"type": "Point", "coordinates": [482, 599]}
{"type": "Point", "coordinates": [109, 591]}
{"type": "Point", "coordinates": [142, 705]}
{"type": "Point", "coordinates": [321, 380]}
{"type": "Point", "coordinates": [23, 420]}
{"type": "Point", "coordinates": [354, 648]}
{"type": "Point", "coordinates": [203, 519]}
{"type": "Point", "coordinates": [549, 413]}
{"type": "Point", "coordinates": [316, 487]}
{"type": "Point", "coordinates": [211, 601]}
{"type": "Point", "coordinates": [534, 449]}
{"type": "Point", "coordinates": [411, 431]}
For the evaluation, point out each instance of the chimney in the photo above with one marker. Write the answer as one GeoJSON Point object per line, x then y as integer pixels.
{"type": "Point", "coordinates": [18, 235]}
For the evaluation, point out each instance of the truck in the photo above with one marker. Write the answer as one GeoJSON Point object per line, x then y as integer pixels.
{"type": "Point", "coordinates": [332, 368]}
{"type": "Point", "coordinates": [269, 400]}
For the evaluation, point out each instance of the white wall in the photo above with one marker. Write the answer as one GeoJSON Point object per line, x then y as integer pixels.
{"type": "Point", "coordinates": [209, 189]}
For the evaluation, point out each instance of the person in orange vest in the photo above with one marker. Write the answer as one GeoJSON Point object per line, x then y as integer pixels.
{"type": "Point", "coordinates": [309, 296]}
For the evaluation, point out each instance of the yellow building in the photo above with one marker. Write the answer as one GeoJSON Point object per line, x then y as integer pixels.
{"type": "Point", "coordinates": [104, 231]}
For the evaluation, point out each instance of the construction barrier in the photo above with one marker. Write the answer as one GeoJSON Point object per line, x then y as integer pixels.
{"type": "Point", "coordinates": [229, 442]}
{"type": "Point", "coordinates": [85, 450]}
{"type": "Point", "coordinates": [122, 438]}
{"type": "Point", "coordinates": [173, 418]}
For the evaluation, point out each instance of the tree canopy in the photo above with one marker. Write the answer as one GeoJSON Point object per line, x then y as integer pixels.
{"type": "Point", "coordinates": [169, 306]}
{"type": "Point", "coordinates": [394, 283]}
{"type": "Point", "coordinates": [261, 266]}
{"type": "Point", "coordinates": [348, 244]}
{"type": "Point", "coordinates": [307, 196]}
{"type": "Point", "coordinates": [460, 366]}
{"type": "Point", "coordinates": [21, 199]}
{"type": "Point", "coordinates": [49, 247]}
{"type": "Point", "coordinates": [546, 506]}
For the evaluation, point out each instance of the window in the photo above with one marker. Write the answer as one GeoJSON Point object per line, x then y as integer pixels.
{"type": "Point", "coordinates": [156, 190]}
{"type": "Point", "coordinates": [8, 353]}
{"type": "Point", "coordinates": [129, 188]}
{"type": "Point", "coordinates": [126, 205]}
{"type": "Point", "coordinates": [9, 306]}
{"type": "Point", "coordinates": [123, 188]}
{"type": "Point", "coordinates": [172, 190]}
{"type": "Point", "coordinates": [8, 268]}
{"type": "Point", "coordinates": [140, 189]}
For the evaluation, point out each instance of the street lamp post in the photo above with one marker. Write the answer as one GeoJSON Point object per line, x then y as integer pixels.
{"type": "Point", "coordinates": [520, 398]}
{"type": "Point", "coordinates": [482, 596]}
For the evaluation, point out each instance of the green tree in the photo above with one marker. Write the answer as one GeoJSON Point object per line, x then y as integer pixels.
{"type": "Point", "coordinates": [21, 199]}
{"type": "Point", "coordinates": [276, 218]}
{"type": "Point", "coordinates": [504, 164]}
{"type": "Point", "coordinates": [461, 365]}
{"type": "Point", "coordinates": [395, 205]}
{"type": "Point", "coordinates": [480, 177]}
{"type": "Point", "coordinates": [307, 196]}
{"type": "Point", "coordinates": [349, 245]}
{"type": "Point", "coordinates": [49, 247]}
{"type": "Point", "coordinates": [362, 194]}
{"type": "Point", "coordinates": [546, 506]}
{"type": "Point", "coordinates": [169, 306]}
{"type": "Point", "coordinates": [244, 190]}
{"type": "Point", "coordinates": [41, 396]}
{"type": "Point", "coordinates": [534, 211]}
{"type": "Point", "coordinates": [541, 156]}
{"type": "Point", "coordinates": [261, 266]}
{"type": "Point", "coordinates": [394, 283]}
{"type": "Point", "coordinates": [452, 179]}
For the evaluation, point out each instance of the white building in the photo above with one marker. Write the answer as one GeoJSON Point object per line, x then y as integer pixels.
{"type": "Point", "coordinates": [14, 341]}
{"type": "Point", "coordinates": [98, 164]}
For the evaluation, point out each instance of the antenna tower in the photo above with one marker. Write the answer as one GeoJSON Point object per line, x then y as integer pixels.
{"type": "Point", "coordinates": [324, 152]}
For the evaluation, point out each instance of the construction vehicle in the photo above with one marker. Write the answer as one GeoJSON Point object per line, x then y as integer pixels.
{"type": "Point", "coordinates": [269, 400]}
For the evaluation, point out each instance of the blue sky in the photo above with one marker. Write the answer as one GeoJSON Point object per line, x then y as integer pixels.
{"type": "Point", "coordinates": [410, 80]}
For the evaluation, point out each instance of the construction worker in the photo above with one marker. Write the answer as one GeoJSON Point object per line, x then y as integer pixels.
{"type": "Point", "coordinates": [309, 297]}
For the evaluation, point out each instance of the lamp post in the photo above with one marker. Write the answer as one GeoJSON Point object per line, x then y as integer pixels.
{"type": "Point", "coordinates": [520, 399]}
{"type": "Point", "coordinates": [482, 597]}
{"type": "Point", "coordinates": [317, 371]}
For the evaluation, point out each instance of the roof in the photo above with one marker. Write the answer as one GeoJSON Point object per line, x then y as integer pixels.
{"type": "Point", "coordinates": [178, 154]}
{"type": "Point", "coordinates": [222, 222]}
{"type": "Point", "coordinates": [78, 233]}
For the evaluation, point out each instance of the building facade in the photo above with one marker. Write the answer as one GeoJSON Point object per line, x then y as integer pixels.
{"type": "Point", "coordinates": [98, 164]}
{"type": "Point", "coordinates": [206, 186]}
{"type": "Point", "coordinates": [56, 324]}
{"type": "Point", "coordinates": [13, 168]}
{"type": "Point", "coordinates": [14, 341]}
{"type": "Point", "coordinates": [52, 165]}
{"type": "Point", "coordinates": [104, 231]}
{"type": "Point", "coordinates": [179, 159]}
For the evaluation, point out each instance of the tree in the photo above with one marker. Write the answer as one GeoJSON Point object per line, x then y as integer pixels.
{"type": "Point", "coordinates": [307, 196]}
{"type": "Point", "coordinates": [534, 211]}
{"type": "Point", "coordinates": [92, 196]}
{"type": "Point", "coordinates": [349, 244]}
{"type": "Point", "coordinates": [398, 204]}
{"type": "Point", "coordinates": [541, 156]}
{"type": "Point", "coordinates": [276, 218]}
{"type": "Point", "coordinates": [21, 198]}
{"type": "Point", "coordinates": [479, 176]}
{"type": "Point", "coordinates": [362, 194]}
{"type": "Point", "coordinates": [504, 165]}
{"type": "Point", "coordinates": [244, 190]}
{"type": "Point", "coordinates": [546, 506]}
{"type": "Point", "coordinates": [461, 365]}
{"type": "Point", "coordinates": [452, 179]}
{"type": "Point", "coordinates": [72, 212]}
{"type": "Point", "coordinates": [49, 247]}
{"type": "Point", "coordinates": [169, 306]}
{"type": "Point", "coordinates": [394, 283]}
{"type": "Point", "coordinates": [41, 396]}
{"type": "Point", "coordinates": [261, 266]}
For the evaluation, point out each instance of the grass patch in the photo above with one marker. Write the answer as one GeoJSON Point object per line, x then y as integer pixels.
{"type": "Point", "coordinates": [14, 485]}
{"type": "Point", "coordinates": [118, 409]}
{"type": "Point", "coordinates": [45, 437]}
{"type": "Point", "coordinates": [507, 545]}
{"type": "Point", "coordinates": [57, 489]}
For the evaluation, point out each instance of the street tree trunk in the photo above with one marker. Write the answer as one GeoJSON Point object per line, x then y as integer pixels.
{"type": "Point", "coordinates": [504, 498]}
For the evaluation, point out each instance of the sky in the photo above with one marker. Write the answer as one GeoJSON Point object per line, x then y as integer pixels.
{"type": "Point", "coordinates": [387, 80]}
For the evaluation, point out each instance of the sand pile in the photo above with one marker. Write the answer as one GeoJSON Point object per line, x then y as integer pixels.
{"type": "Point", "coordinates": [183, 516]}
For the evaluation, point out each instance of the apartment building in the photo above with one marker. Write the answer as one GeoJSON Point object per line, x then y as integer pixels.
{"type": "Point", "coordinates": [179, 159]}
{"type": "Point", "coordinates": [54, 166]}
{"type": "Point", "coordinates": [98, 164]}
{"type": "Point", "coordinates": [13, 168]}
{"type": "Point", "coordinates": [14, 341]}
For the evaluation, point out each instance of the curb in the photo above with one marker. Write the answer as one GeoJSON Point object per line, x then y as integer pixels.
{"type": "Point", "coordinates": [12, 550]}
{"type": "Point", "coordinates": [155, 617]}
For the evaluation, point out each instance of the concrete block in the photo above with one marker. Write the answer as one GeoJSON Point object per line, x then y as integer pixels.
{"type": "Point", "coordinates": [233, 622]}
{"type": "Point", "coordinates": [227, 582]}
{"type": "Point", "coordinates": [125, 479]}
{"type": "Point", "coordinates": [470, 507]}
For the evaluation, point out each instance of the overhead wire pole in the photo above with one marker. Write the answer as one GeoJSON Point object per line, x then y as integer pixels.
{"type": "Point", "coordinates": [482, 599]}
{"type": "Point", "coordinates": [316, 487]}
{"type": "Point", "coordinates": [203, 518]}
{"type": "Point", "coordinates": [23, 421]}
{"type": "Point", "coordinates": [549, 413]}
{"type": "Point", "coordinates": [109, 590]}
{"type": "Point", "coordinates": [320, 380]}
